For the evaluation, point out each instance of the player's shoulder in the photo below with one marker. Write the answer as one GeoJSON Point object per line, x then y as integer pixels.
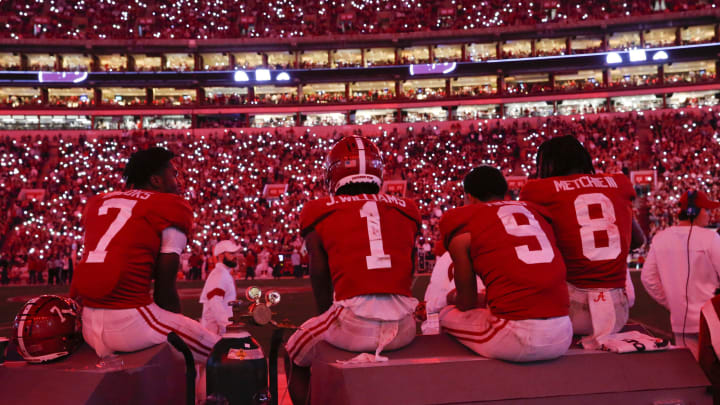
{"type": "Point", "coordinates": [535, 189]}
{"type": "Point", "coordinates": [169, 204]}
{"type": "Point", "coordinates": [624, 183]}
{"type": "Point", "coordinates": [167, 198]}
{"type": "Point", "coordinates": [615, 184]}
{"type": "Point", "coordinates": [167, 210]}
{"type": "Point", "coordinates": [406, 206]}
{"type": "Point", "coordinates": [539, 210]}
{"type": "Point", "coordinates": [455, 219]}
{"type": "Point", "coordinates": [313, 211]}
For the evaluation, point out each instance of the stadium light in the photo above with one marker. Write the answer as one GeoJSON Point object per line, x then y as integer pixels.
{"type": "Point", "coordinates": [241, 76]}
{"type": "Point", "coordinates": [62, 77]}
{"type": "Point", "coordinates": [433, 68]}
{"type": "Point", "coordinates": [660, 55]}
{"type": "Point", "coordinates": [262, 75]}
{"type": "Point", "coordinates": [637, 55]}
{"type": "Point", "coordinates": [613, 58]}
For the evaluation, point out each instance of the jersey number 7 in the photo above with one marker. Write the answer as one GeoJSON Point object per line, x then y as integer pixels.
{"type": "Point", "coordinates": [126, 207]}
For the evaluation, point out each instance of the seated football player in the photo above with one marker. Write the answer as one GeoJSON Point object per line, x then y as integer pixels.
{"type": "Point", "coordinates": [442, 280]}
{"type": "Point", "coordinates": [592, 217]}
{"type": "Point", "coordinates": [132, 239]}
{"type": "Point", "coordinates": [361, 247]}
{"type": "Point", "coordinates": [511, 246]}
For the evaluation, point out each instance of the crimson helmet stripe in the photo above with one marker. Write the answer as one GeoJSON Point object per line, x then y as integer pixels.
{"type": "Point", "coordinates": [361, 154]}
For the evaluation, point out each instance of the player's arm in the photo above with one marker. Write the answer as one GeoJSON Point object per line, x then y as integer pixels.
{"type": "Point", "coordinates": [637, 236]}
{"type": "Point", "coordinates": [165, 295]}
{"type": "Point", "coordinates": [465, 282]}
{"type": "Point", "coordinates": [166, 269]}
{"type": "Point", "coordinates": [319, 272]}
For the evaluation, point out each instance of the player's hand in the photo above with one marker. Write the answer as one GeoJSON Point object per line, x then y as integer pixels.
{"type": "Point", "coordinates": [481, 300]}
{"type": "Point", "coordinates": [420, 312]}
{"type": "Point", "coordinates": [452, 297]}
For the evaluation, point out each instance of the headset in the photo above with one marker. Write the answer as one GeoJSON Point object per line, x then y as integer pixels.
{"type": "Point", "coordinates": [692, 211]}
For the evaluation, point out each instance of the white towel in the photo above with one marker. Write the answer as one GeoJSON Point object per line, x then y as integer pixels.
{"type": "Point", "coordinates": [625, 342]}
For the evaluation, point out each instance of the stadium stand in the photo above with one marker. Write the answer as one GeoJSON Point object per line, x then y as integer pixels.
{"type": "Point", "coordinates": [279, 18]}
{"type": "Point", "coordinates": [225, 173]}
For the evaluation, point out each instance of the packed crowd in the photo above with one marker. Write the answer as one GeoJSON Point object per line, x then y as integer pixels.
{"type": "Point", "coordinates": [131, 19]}
{"type": "Point", "coordinates": [224, 174]}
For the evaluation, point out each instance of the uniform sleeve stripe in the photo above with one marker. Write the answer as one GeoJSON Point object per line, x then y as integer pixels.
{"type": "Point", "coordinates": [218, 292]}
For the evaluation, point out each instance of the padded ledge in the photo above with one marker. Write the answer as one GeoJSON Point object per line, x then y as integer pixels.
{"type": "Point", "coordinates": [152, 376]}
{"type": "Point", "coordinates": [455, 375]}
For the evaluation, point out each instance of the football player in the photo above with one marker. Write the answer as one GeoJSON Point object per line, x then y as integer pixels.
{"type": "Point", "coordinates": [511, 246]}
{"type": "Point", "coordinates": [132, 239]}
{"type": "Point", "coordinates": [442, 280]}
{"type": "Point", "coordinates": [361, 247]}
{"type": "Point", "coordinates": [592, 217]}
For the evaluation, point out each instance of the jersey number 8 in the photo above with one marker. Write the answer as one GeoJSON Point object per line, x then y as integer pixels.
{"type": "Point", "coordinates": [588, 227]}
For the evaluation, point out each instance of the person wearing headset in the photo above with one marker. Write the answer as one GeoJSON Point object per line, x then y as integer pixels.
{"type": "Point", "coordinates": [682, 269]}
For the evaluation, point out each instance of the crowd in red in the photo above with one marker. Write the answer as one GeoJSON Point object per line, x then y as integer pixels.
{"type": "Point", "coordinates": [131, 19]}
{"type": "Point", "coordinates": [224, 174]}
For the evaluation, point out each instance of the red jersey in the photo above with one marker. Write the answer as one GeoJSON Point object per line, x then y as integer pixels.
{"type": "Point", "coordinates": [123, 232]}
{"type": "Point", "coordinates": [369, 240]}
{"type": "Point", "coordinates": [592, 219]}
{"type": "Point", "coordinates": [513, 251]}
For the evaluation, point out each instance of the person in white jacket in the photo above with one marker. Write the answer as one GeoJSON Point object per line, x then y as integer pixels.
{"type": "Point", "coordinates": [682, 269]}
{"type": "Point", "coordinates": [219, 288]}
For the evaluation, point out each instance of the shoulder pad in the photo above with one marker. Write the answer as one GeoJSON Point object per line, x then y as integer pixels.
{"type": "Point", "coordinates": [539, 209]}
{"type": "Point", "coordinates": [411, 210]}
{"type": "Point", "coordinates": [172, 210]}
{"type": "Point", "coordinates": [453, 222]}
{"type": "Point", "coordinates": [531, 189]}
{"type": "Point", "coordinates": [313, 212]}
{"type": "Point", "coordinates": [625, 185]}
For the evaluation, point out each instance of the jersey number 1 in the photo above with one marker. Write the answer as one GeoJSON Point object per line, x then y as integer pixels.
{"type": "Point", "coordinates": [126, 207]}
{"type": "Point", "coordinates": [377, 259]}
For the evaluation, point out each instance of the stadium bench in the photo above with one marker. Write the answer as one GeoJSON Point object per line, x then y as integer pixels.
{"type": "Point", "coordinates": [153, 376]}
{"type": "Point", "coordinates": [438, 370]}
